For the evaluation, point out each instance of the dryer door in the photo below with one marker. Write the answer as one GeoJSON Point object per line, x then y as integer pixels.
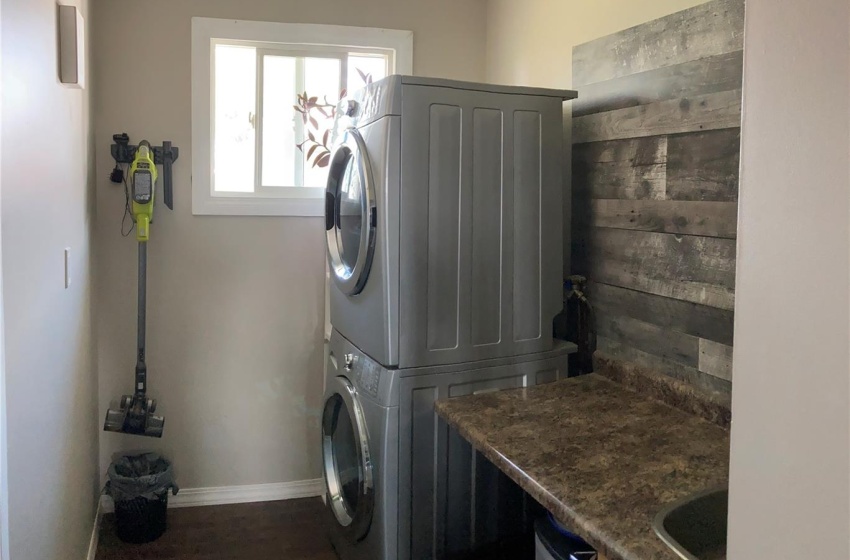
{"type": "Point", "coordinates": [346, 460]}
{"type": "Point", "coordinates": [350, 214]}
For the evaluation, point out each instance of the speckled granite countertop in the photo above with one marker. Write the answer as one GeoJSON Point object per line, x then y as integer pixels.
{"type": "Point", "coordinates": [604, 460]}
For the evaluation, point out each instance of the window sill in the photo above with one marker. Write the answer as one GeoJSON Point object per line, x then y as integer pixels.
{"type": "Point", "coordinates": [258, 206]}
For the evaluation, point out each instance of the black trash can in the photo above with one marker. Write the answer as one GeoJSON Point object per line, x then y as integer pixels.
{"type": "Point", "coordinates": [139, 486]}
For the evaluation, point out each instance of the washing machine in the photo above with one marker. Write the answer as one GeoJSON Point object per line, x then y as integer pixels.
{"type": "Point", "coordinates": [444, 220]}
{"type": "Point", "coordinates": [399, 484]}
{"type": "Point", "coordinates": [359, 451]}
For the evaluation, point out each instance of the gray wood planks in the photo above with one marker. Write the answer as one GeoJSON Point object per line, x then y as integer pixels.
{"type": "Point", "coordinates": [715, 359]}
{"type": "Point", "coordinates": [697, 77]}
{"type": "Point", "coordinates": [670, 345]}
{"type": "Point", "coordinates": [696, 269]}
{"type": "Point", "coordinates": [631, 169]}
{"type": "Point", "coordinates": [655, 187]}
{"type": "Point", "coordinates": [706, 30]}
{"type": "Point", "coordinates": [704, 165]}
{"type": "Point", "coordinates": [698, 166]}
{"type": "Point", "coordinates": [701, 112]}
{"type": "Point", "coordinates": [709, 323]}
{"type": "Point", "coordinates": [672, 368]}
{"type": "Point", "coordinates": [708, 219]}
{"type": "Point", "coordinates": [706, 356]}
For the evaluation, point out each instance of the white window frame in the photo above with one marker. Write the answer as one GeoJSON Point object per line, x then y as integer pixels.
{"type": "Point", "coordinates": [206, 32]}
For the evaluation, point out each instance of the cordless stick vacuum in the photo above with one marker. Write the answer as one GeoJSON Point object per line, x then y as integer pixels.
{"type": "Point", "coordinates": [136, 413]}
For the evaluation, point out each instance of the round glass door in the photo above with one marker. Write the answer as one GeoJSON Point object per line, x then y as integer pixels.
{"type": "Point", "coordinates": [350, 214]}
{"type": "Point", "coordinates": [346, 461]}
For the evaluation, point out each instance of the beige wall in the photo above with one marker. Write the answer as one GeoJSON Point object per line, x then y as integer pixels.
{"type": "Point", "coordinates": [236, 304]}
{"type": "Point", "coordinates": [51, 382]}
{"type": "Point", "coordinates": [789, 488]}
{"type": "Point", "coordinates": [531, 42]}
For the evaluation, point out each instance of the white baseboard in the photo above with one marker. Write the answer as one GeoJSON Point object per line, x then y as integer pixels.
{"type": "Point", "coordinates": [190, 497]}
{"type": "Point", "coordinates": [95, 532]}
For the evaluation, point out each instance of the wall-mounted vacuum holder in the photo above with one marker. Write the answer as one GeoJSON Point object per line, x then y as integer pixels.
{"type": "Point", "coordinates": [135, 413]}
{"type": "Point", "coordinates": [165, 155]}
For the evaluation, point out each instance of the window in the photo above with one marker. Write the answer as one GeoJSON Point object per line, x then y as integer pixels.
{"type": "Point", "coordinates": [263, 101]}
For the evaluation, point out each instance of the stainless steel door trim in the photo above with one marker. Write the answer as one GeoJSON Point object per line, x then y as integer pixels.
{"type": "Point", "coordinates": [355, 523]}
{"type": "Point", "coordinates": [350, 280]}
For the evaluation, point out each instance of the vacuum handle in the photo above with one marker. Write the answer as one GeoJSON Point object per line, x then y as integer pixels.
{"type": "Point", "coordinates": [141, 379]}
{"type": "Point", "coordinates": [141, 368]}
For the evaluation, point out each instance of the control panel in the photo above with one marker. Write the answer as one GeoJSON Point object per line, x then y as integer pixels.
{"type": "Point", "coordinates": [368, 104]}
{"type": "Point", "coordinates": [365, 374]}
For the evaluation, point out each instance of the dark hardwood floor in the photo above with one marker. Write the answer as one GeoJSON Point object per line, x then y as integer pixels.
{"type": "Point", "coordinates": [286, 530]}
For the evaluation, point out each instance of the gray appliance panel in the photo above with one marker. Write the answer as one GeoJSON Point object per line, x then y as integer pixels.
{"type": "Point", "coordinates": [383, 97]}
{"type": "Point", "coordinates": [450, 495]}
{"type": "Point", "coordinates": [480, 225]}
{"type": "Point", "coordinates": [561, 94]}
{"type": "Point", "coordinates": [371, 317]}
{"type": "Point", "coordinates": [386, 393]}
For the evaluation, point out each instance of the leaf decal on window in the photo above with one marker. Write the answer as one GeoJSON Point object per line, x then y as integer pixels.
{"type": "Point", "coordinates": [318, 117]}
{"type": "Point", "coordinates": [311, 150]}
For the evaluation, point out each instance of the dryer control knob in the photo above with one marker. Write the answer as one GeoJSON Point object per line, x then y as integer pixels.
{"type": "Point", "coordinates": [349, 361]}
{"type": "Point", "coordinates": [351, 108]}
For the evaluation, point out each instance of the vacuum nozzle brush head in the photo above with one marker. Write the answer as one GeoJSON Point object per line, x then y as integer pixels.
{"type": "Point", "coordinates": [135, 417]}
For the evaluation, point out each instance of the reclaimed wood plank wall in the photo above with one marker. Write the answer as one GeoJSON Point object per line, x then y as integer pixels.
{"type": "Point", "coordinates": [656, 143]}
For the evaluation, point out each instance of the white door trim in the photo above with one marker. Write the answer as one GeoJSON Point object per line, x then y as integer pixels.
{"type": "Point", "coordinates": [4, 483]}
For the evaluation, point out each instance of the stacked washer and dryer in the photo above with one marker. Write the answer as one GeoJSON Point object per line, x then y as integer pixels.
{"type": "Point", "coordinates": [444, 237]}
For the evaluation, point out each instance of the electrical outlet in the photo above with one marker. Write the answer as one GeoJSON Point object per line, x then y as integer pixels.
{"type": "Point", "coordinates": [67, 267]}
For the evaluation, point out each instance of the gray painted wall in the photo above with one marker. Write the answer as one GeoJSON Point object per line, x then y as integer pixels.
{"type": "Point", "coordinates": [47, 205]}
{"type": "Point", "coordinates": [789, 488]}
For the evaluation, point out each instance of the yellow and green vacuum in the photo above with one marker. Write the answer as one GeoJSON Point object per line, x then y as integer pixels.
{"type": "Point", "coordinates": [136, 412]}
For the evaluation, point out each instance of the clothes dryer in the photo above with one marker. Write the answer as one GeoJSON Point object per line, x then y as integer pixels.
{"type": "Point", "coordinates": [444, 220]}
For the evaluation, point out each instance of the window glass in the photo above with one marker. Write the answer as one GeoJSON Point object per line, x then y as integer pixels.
{"type": "Point", "coordinates": [279, 120]}
{"type": "Point", "coordinates": [322, 81]}
{"type": "Point", "coordinates": [297, 100]}
{"type": "Point", "coordinates": [365, 68]}
{"type": "Point", "coordinates": [235, 113]}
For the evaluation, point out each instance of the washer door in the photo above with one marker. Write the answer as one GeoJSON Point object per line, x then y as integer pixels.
{"type": "Point", "coordinates": [346, 461]}
{"type": "Point", "coordinates": [350, 214]}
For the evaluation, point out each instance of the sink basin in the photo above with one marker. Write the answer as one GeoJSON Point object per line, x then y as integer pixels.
{"type": "Point", "coordinates": [695, 527]}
